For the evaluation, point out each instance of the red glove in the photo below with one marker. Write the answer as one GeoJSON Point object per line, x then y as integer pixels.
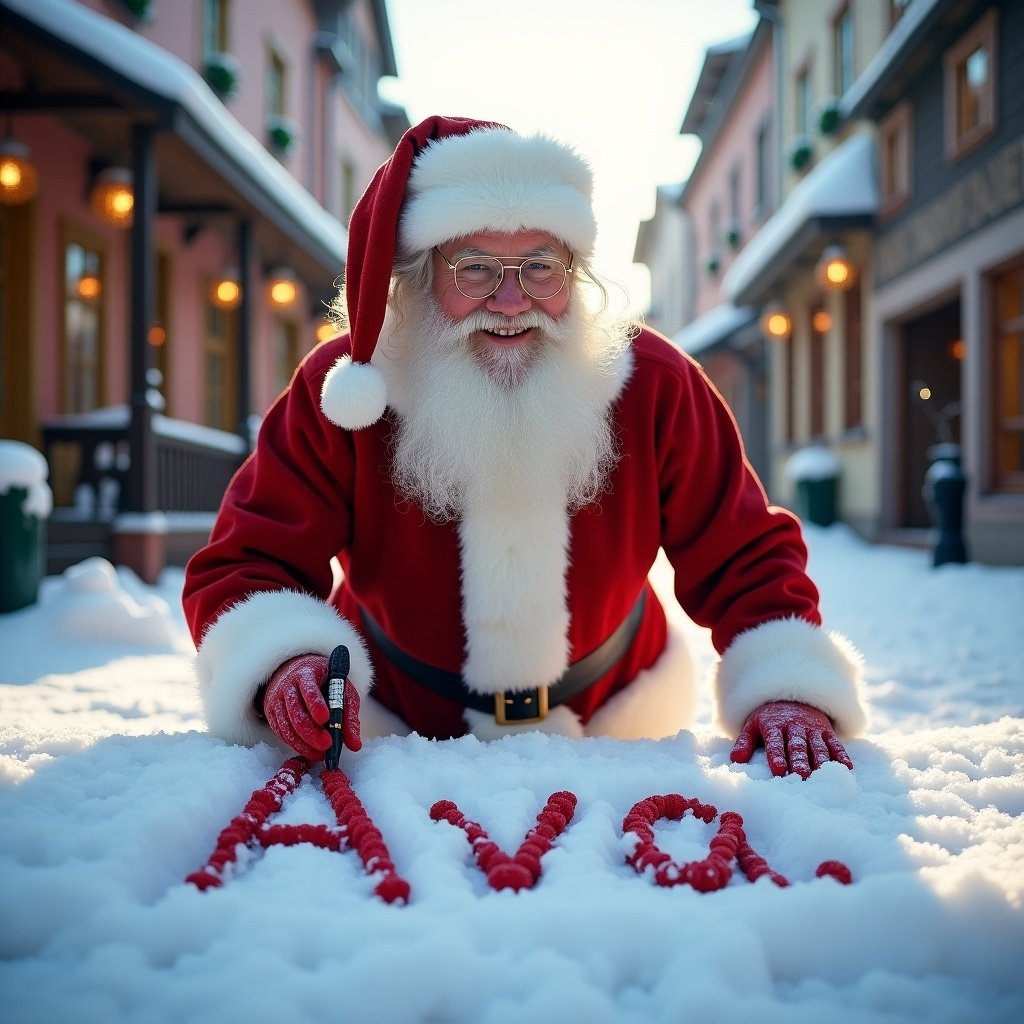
{"type": "Point", "coordinates": [297, 712]}
{"type": "Point", "coordinates": [797, 738]}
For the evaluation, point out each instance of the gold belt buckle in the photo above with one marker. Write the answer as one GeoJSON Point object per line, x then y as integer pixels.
{"type": "Point", "coordinates": [501, 702]}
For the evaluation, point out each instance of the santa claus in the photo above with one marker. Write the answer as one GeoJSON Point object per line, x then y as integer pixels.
{"type": "Point", "coordinates": [470, 486]}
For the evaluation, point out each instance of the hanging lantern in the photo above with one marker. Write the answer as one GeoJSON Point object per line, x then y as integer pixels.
{"type": "Point", "coordinates": [834, 271]}
{"type": "Point", "coordinates": [776, 322]}
{"type": "Point", "coordinates": [19, 179]}
{"type": "Point", "coordinates": [282, 288]}
{"type": "Point", "coordinates": [113, 197]}
{"type": "Point", "coordinates": [225, 291]}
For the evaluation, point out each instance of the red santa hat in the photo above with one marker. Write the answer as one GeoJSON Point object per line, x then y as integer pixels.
{"type": "Point", "coordinates": [448, 177]}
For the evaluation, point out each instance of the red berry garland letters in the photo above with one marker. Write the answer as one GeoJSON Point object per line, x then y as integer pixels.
{"type": "Point", "coordinates": [521, 870]}
{"type": "Point", "coordinates": [355, 829]}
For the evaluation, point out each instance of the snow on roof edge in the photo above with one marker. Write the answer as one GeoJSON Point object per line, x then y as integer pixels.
{"type": "Point", "coordinates": [843, 184]}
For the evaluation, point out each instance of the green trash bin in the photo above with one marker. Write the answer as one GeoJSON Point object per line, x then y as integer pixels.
{"type": "Point", "coordinates": [25, 505]}
{"type": "Point", "coordinates": [817, 500]}
{"type": "Point", "coordinates": [815, 472]}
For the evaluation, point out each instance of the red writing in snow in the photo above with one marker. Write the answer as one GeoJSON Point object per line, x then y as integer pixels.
{"type": "Point", "coordinates": [521, 870]}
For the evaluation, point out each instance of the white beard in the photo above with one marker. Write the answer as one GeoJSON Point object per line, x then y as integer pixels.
{"type": "Point", "coordinates": [517, 427]}
{"type": "Point", "coordinates": [509, 444]}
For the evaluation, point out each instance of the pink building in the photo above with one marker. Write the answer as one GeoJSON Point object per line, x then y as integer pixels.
{"type": "Point", "coordinates": [731, 191]}
{"type": "Point", "coordinates": [138, 349]}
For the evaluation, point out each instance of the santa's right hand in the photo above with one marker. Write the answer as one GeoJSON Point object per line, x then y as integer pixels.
{"type": "Point", "coordinates": [294, 705]}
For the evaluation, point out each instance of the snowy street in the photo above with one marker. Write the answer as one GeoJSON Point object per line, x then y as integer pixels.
{"type": "Point", "coordinates": [111, 793]}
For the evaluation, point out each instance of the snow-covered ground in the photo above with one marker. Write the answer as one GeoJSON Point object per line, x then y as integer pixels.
{"type": "Point", "coordinates": [111, 793]}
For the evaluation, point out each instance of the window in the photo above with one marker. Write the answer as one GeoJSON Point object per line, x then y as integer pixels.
{"type": "Point", "coordinates": [802, 101]}
{"type": "Point", "coordinates": [894, 150]}
{"type": "Point", "coordinates": [286, 352]}
{"type": "Point", "coordinates": [215, 27]}
{"type": "Point", "coordinates": [274, 85]}
{"type": "Point", "coordinates": [348, 190]}
{"type": "Point", "coordinates": [817, 372]}
{"type": "Point", "coordinates": [157, 336]}
{"type": "Point", "coordinates": [1008, 381]}
{"type": "Point", "coordinates": [734, 201]}
{"type": "Point", "coordinates": [842, 50]}
{"type": "Point", "coordinates": [969, 70]}
{"type": "Point", "coordinates": [82, 352]}
{"type": "Point", "coordinates": [220, 406]}
{"type": "Point", "coordinates": [761, 165]}
{"type": "Point", "coordinates": [853, 360]}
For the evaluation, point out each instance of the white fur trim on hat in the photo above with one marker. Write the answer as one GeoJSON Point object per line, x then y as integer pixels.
{"type": "Point", "coordinates": [244, 646]}
{"type": "Point", "coordinates": [496, 180]}
{"type": "Point", "coordinates": [353, 395]}
{"type": "Point", "coordinates": [790, 659]}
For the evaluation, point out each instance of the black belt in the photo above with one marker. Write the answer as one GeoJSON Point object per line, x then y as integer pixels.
{"type": "Point", "coordinates": [519, 706]}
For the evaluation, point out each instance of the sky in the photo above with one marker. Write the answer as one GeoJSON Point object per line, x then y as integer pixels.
{"type": "Point", "coordinates": [112, 793]}
{"type": "Point", "coordinates": [613, 79]}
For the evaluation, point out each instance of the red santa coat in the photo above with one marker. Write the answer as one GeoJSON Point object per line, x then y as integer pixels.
{"type": "Point", "coordinates": [262, 590]}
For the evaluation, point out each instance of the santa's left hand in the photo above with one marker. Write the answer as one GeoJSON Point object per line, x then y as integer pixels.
{"type": "Point", "coordinates": [797, 738]}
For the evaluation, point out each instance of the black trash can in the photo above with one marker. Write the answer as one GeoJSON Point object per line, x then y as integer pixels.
{"type": "Point", "coordinates": [25, 504]}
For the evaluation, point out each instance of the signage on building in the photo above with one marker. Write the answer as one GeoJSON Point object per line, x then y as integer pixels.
{"type": "Point", "coordinates": [977, 199]}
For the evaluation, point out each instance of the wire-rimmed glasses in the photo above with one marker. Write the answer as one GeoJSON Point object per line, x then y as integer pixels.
{"type": "Point", "coordinates": [477, 277]}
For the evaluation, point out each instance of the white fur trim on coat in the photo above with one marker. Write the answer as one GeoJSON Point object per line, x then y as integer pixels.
{"type": "Point", "coordinates": [496, 180]}
{"type": "Point", "coordinates": [353, 395]}
{"type": "Point", "coordinates": [790, 659]}
{"type": "Point", "coordinates": [659, 703]}
{"type": "Point", "coordinates": [244, 646]}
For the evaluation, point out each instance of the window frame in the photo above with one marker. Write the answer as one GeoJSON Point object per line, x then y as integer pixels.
{"type": "Point", "coordinates": [895, 187]}
{"type": "Point", "coordinates": [983, 35]}
{"type": "Point", "coordinates": [73, 234]}
{"type": "Point", "coordinates": [843, 73]}
{"type": "Point", "coordinates": [1004, 480]}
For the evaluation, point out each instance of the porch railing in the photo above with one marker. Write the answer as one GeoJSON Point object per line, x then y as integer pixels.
{"type": "Point", "coordinates": [90, 464]}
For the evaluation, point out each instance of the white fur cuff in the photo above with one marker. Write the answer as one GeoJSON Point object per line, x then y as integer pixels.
{"type": "Point", "coordinates": [790, 659]}
{"type": "Point", "coordinates": [243, 647]}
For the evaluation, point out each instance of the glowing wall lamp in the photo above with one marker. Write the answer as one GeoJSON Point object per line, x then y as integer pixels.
{"type": "Point", "coordinates": [113, 197]}
{"type": "Point", "coordinates": [821, 321]}
{"type": "Point", "coordinates": [225, 291]}
{"type": "Point", "coordinates": [19, 179]}
{"type": "Point", "coordinates": [282, 288]}
{"type": "Point", "coordinates": [776, 322]}
{"type": "Point", "coordinates": [326, 330]}
{"type": "Point", "coordinates": [834, 271]}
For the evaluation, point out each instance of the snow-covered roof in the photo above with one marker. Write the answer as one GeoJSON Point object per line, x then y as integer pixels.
{"type": "Point", "coordinates": [842, 188]}
{"type": "Point", "coordinates": [164, 76]}
{"type": "Point", "coordinates": [714, 326]}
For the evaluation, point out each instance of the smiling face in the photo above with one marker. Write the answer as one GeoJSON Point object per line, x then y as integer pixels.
{"type": "Point", "coordinates": [503, 317]}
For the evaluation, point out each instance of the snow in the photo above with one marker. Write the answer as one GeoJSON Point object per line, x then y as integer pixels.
{"type": "Point", "coordinates": [813, 463]}
{"type": "Point", "coordinates": [23, 468]}
{"type": "Point", "coordinates": [111, 792]}
{"type": "Point", "coordinates": [843, 184]}
{"type": "Point", "coordinates": [713, 326]}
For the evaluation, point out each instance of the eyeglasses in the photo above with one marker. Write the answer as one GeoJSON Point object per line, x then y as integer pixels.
{"type": "Point", "coordinates": [477, 277]}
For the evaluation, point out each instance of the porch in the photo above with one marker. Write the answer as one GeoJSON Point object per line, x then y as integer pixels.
{"type": "Point", "coordinates": [91, 475]}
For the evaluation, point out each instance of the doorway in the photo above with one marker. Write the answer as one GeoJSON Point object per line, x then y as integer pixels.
{"type": "Point", "coordinates": [930, 400]}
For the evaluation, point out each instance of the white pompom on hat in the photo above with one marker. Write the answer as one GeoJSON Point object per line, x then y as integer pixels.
{"type": "Point", "coordinates": [448, 177]}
